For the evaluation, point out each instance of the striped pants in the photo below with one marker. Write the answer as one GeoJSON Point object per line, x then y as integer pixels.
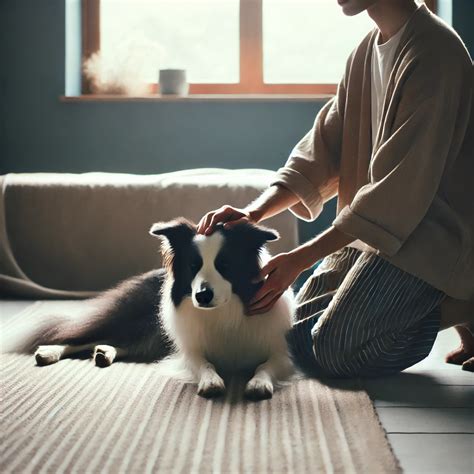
{"type": "Point", "coordinates": [359, 315]}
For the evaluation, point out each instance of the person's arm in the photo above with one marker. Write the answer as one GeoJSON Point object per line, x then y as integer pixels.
{"type": "Point", "coordinates": [283, 269]}
{"type": "Point", "coordinates": [309, 178]}
{"type": "Point", "coordinates": [311, 171]}
{"type": "Point", "coordinates": [326, 243]}
{"type": "Point", "coordinates": [272, 201]}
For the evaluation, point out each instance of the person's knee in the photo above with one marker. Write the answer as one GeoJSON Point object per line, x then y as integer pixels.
{"type": "Point", "coordinates": [334, 356]}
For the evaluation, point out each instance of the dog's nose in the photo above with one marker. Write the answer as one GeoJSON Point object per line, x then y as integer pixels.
{"type": "Point", "coordinates": [204, 297]}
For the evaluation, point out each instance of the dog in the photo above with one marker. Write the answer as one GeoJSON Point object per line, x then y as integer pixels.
{"type": "Point", "coordinates": [191, 311]}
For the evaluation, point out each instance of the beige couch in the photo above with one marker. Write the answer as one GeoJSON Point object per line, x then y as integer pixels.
{"type": "Point", "coordinates": [70, 235]}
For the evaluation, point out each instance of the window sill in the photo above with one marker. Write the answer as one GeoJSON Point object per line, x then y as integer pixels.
{"type": "Point", "coordinates": [199, 98]}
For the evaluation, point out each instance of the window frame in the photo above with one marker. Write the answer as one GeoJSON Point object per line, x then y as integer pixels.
{"type": "Point", "coordinates": [251, 55]}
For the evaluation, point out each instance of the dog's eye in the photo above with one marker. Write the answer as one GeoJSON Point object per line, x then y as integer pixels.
{"type": "Point", "coordinates": [195, 266]}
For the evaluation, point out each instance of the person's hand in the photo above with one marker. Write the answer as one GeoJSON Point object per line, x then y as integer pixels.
{"type": "Point", "coordinates": [228, 215]}
{"type": "Point", "coordinates": [281, 271]}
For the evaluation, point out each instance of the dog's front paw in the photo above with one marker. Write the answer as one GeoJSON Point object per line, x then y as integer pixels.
{"type": "Point", "coordinates": [211, 386]}
{"type": "Point", "coordinates": [46, 355]}
{"type": "Point", "coordinates": [258, 389]}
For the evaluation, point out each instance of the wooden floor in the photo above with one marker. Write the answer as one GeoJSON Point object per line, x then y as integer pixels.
{"type": "Point", "coordinates": [427, 411]}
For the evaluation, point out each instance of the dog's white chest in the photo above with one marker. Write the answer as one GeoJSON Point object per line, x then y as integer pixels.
{"type": "Point", "coordinates": [228, 338]}
{"type": "Point", "coordinates": [236, 346]}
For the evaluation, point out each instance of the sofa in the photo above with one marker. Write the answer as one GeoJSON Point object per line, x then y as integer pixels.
{"type": "Point", "coordinates": [71, 235]}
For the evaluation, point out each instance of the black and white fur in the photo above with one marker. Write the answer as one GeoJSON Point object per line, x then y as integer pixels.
{"type": "Point", "coordinates": [194, 309]}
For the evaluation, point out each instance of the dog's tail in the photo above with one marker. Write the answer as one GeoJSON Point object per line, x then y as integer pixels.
{"type": "Point", "coordinates": [26, 336]}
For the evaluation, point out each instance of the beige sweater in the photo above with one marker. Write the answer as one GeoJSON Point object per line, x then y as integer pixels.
{"type": "Point", "coordinates": [413, 202]}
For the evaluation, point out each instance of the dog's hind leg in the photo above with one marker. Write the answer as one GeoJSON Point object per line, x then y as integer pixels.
{"type": "Point", "coordinates": [50, 354]}
{"type": "Point", "coordinates": [104, 355]}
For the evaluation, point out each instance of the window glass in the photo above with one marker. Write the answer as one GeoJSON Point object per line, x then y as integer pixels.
{"type": "Point", "coordinates": [201, 36]}
{"type": "Point", "coordinates": [308, 41]}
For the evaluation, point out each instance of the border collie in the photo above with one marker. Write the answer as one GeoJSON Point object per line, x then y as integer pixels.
{"type": "Point", "coordinates": [193, 309]}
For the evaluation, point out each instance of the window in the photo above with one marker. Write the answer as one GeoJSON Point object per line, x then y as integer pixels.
{"type": "Point", "coordinates": [226, 46]}
{"type": "Point", "coordinates": [201, 36]}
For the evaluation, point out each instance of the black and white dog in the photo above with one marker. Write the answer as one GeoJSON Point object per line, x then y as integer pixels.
{"type": "Point", "coordinates": [193, 308]}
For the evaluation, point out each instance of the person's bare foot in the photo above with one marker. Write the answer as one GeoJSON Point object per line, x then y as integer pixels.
{"type": "Point", "coordinates": [468, 365]}
{"type": "Point", "coordinates": [464, 354]}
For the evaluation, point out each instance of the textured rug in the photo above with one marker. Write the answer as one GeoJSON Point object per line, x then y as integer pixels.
{"type": "Point", "coordinates": [75, 417]}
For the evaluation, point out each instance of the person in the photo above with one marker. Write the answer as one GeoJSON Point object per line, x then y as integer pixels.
{"type": "Point", "coordinates": [395, 146]}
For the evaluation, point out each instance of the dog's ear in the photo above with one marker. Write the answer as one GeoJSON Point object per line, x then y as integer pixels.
{"type": "Point", "coordinates": [266, 234]}
{"type": "Point", "coordinates": [176, 231]}
{"type": "Point", "coordinates": [254, 236]}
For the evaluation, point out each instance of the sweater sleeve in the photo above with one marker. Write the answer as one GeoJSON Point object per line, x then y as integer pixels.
{"type": "Point", "coordinates": [407, 168]}
{"type": "Point", "coordinates": [311, 171]}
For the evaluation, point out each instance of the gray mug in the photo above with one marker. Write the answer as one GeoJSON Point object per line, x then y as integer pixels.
{"type": "Point", "coordinates": [173, 81]}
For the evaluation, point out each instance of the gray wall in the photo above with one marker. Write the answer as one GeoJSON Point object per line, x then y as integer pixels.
{"type": "Point", "coordinates": [40, 133]}
{"type": "Point", "coordinates": [463, 21]}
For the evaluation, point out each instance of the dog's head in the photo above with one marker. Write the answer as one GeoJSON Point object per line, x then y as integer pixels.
{"type": "Point", "coordinates": [209, 269]}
